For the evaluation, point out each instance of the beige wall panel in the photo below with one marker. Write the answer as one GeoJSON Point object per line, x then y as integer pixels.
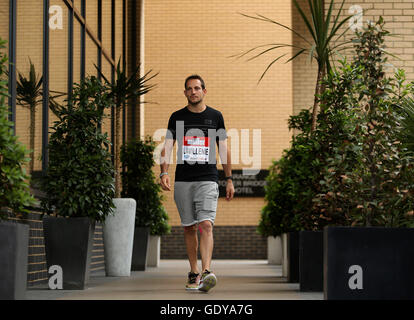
{"type": "Point", "coordinates": [58, 60]}
{"type": "Point", "coordinates": [91, 57]}
{"type": "Point", "coordinates": [118, 31]}
{"type": "Point", "coordinates": [76, 51]}
{"type": "Point", "coordinates": [92, 15]}
{"type": "Point", "coordinates": [106, 25]}
{"type": "Point", "coordinates": [4, 22]}
{"type": "Point", "coordinates": [106, 126]}
{"type": "Point", "coordinates": [29, 44]}
{"type": "Point", "coordinates": [183, 38]}
{"type": "Point", "coordinates": [106, 67]}
{"type": "Point", "coordinates": [118, 38]}
{"type": "Point", "coordinates": [91, 48]}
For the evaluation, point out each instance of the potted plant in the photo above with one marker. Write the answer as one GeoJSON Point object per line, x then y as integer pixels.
{"type": "Point", "coordinates": [277, 221]}
{"type": "Point", "coordinates": [323, 40]}
{"type": "Point", "coordinates": [334, 123]}
{"type": "Point", "coordinates": [119, 229]}
{"type": "Point", "coordinates": [138, 182]}
{"type": "Point", "coordinates": [78, 181]}
{"type": "Point", "coordinates": [294, 183]}
{"type": "Point", "coordinates": [158, 228]}
{"type": "Point", "coordinates": [14, 197]}
{"type": "Point", "coordinates": [371, 259]}
{"type": "Point", "coordinates": [272, 215]}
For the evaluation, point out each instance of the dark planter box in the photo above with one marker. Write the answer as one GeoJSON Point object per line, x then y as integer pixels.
{"type": "Point", "coordinates": [368, 263]}
{"type": "Point", "coordinates": [14, 243]}
{"type": "Point", "coordinates": [68, 244]}
{"type": "Point", "coordinates": [311, 260]}
{"type": "Point", "coordinates": [293, 256]}
{"type": "Point", "coordinates": [140, 249]}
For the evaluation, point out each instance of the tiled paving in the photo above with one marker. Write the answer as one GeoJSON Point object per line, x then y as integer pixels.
{"type": "Point", "coordinates": [237, 280]}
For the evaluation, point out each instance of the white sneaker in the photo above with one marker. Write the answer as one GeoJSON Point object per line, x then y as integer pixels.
{"type": "Point", "coordinates": [208, 281]}
{"type": "Point", "coordinates": [193, 281]}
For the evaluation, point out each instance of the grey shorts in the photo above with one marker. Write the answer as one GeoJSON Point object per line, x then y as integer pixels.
{"type": "Point", "coordinates": [196, 201]}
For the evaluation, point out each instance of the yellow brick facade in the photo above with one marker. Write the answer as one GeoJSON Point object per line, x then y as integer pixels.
{"type": "Point", "coordinates": [183, 38]}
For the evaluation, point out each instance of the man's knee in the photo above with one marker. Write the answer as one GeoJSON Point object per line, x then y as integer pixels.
{"type": "Point", "coordinates": [190, 229]}
{"type": "Point", "coordinates": [206, 226]}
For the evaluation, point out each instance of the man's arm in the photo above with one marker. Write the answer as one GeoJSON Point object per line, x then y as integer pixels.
{"type": "Point", "coordinates": [225, 157]}
{"type": "Point", "coordinates": [165, 163]}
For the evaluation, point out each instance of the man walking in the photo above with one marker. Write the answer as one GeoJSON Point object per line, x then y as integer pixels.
{"type": "Point", "coordinates": [197, 128]}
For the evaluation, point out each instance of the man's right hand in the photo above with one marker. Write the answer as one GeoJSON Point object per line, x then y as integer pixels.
{"type": "Point", "coordinates": [165, 183]}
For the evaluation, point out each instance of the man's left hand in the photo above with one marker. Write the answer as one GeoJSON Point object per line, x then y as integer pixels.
{"type": "Point", "coordinates": [229, 190]}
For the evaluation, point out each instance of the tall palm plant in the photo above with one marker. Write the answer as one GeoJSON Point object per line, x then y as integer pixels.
{"type": "Point", "coordinates": [124, 88]}
{"type": "Point", "coordinates": [30, 95]}
{"type": "Point", "coordinates": [322, 29]}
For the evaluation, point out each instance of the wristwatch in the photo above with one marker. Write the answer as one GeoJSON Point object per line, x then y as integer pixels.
{"type": "Point", "coordinates": [229, 177]}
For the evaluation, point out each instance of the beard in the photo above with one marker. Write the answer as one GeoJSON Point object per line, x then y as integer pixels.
{"type": "Point", "coordinates": [194, 102]}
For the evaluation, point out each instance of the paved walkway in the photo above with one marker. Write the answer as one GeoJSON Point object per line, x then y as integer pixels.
{"type": "Point", "coordinates": [236, 280]}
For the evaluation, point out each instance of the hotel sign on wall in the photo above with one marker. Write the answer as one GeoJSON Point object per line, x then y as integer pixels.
{"type": "Point", "coordinates": [244, 185]}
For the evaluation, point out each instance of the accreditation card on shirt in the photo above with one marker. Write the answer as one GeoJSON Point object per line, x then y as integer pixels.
{"type": "Point", "coordinates": [195, 148]}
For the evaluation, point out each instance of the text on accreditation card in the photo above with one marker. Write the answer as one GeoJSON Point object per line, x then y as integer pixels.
{"type": "Point", "coordinates": [195, 148]}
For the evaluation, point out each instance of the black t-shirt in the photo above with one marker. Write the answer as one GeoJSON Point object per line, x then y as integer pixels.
{"type": "Point", "coordinates": [197, 135]}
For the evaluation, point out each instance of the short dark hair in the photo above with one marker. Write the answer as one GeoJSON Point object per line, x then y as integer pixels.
{"type": "Point", "coordinates": [195, 77]}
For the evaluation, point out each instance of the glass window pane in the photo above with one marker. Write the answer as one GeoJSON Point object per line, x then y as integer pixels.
{"type": "Point", "coordinates": [106, 126]}
{"type": "Point", "coordinates": [76, 50]}
{"type": "Point", "coordinates": [29, 48]}
{"type": "Point", "coordinates": [58, 54]}
{"type": "Point", "coordinates": [106, 26]}
{"type": "Point", "coordinates": [4, 22]}
{"type": "Point", "coordinates": [118, 30]}
{"type": "Point", "coordinates": [91, 58]}
{"type": "Point", "coordinates": [92, 16]}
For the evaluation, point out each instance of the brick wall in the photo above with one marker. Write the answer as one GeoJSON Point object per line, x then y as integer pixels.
{"type": "Point", "coordinates": [230, 242]}
{"type": "Point", "coordinates": [398, 15]}
{"type": "Point", "coordinates": [399, 18]}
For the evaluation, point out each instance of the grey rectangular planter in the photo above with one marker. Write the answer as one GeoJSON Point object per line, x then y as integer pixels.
{"type": "Point", "coordinates": [368, 263]}
{"type": "Point", "coordinates": [274, 250]}
{"type": "Point", "coordinates": [14, 244]}
{"type": "Point", "coordinates": [140, 249]}
{"type": "Point", "coordinates": [154, 251]}
{"type": "Point", "coordinates": [311, 261]}
{"type": "Point", "coordinates": [293, 256]}
{"type": "Point", "coordinates": [68, 244]}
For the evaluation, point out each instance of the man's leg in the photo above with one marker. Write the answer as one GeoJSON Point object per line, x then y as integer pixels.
{"type": "Point", "coordinates": [191, 242]}
{"type": "Point", "coordinates": [206, 244]}
{"type": "Point", "coordinates": [206, 205]}
{"type": "Point", "coordinates": [208, 279]}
